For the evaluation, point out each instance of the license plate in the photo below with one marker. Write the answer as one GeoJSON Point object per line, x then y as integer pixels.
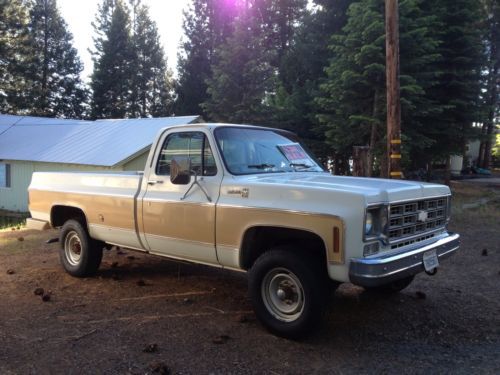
{"type": "Point", "coordinates": [430, 260]}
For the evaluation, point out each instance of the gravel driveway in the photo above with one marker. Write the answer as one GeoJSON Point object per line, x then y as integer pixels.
{"type": "Point", "coordinates": [144, 314]}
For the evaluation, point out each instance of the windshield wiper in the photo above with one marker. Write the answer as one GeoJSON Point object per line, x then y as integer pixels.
{"type": "Point", "coordinates": [301, 165]}
{"type": "Point", "coordinates": [261, 166]}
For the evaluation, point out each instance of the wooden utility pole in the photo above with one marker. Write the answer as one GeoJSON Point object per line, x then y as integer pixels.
{"type": "Point", "coordinates": [392, 81]}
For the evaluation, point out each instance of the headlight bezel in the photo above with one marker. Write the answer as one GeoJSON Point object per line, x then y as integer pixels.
{"type": "Point", "coordinates": [377, 229]}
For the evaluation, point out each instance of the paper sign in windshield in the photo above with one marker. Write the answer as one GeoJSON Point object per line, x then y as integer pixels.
{"type": "Point", "coordinates": [295, 153]}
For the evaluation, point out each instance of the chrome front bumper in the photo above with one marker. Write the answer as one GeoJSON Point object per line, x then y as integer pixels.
{"type": "Point", "coordinates": [382, 269]}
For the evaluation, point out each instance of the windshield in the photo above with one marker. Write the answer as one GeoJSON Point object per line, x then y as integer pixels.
{"type": "Point", "coordinates": [249, 151]}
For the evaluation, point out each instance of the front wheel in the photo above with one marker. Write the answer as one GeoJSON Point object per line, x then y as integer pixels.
{"type": "Point", "coordinates": [287, 292]}
{"type": "Point", "coordinates": [80, 255]}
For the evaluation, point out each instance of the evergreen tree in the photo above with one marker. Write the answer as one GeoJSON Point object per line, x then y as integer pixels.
{"type": "Point", "coordinates": [280, 20]}
{"type": "Point", "coordinates": [243, 77]}
{"type": "Point", "coordinates": [352, 108]}
{"type": "Point", "coordinates": [151, 83]}
{"type": "Point", "coordinates": [492, 89]}
{"type": "Point", "coordinates": [13, 54]}
{"type": "Point", "coordinates": [207, 24]}
{"type": "Point", "coordinates": [458, 87]}
{"type": "Point", "coordinates": [302, 70]}
{"type": "Point", "coordinates": [54, 68]}
{"type": "Point", "coordinates": [113, 70]}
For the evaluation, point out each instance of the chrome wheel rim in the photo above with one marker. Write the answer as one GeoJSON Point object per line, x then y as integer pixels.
{"type": "Point", "coordinates": [283, 294]}
{"type": "Point", "coordinates": [73, 248]}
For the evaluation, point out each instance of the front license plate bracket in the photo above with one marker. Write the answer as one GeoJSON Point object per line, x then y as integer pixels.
{"type": "Point", "coordinates": [430, 260]}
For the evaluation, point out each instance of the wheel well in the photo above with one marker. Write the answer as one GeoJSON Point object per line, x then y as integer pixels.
{"type": "Point", "coordinates": [60, 214]}
{"type": "Point", "coordinates": [257, 240]}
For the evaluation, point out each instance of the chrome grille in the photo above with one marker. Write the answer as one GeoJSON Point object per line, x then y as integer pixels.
{"type": "Point", "coordinates": [416, 218]}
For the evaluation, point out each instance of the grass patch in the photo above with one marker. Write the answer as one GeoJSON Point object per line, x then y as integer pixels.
{"type": "Point", "coordinates": [12, 220]}
{"type": "Point", "coordinates": [475, 204]}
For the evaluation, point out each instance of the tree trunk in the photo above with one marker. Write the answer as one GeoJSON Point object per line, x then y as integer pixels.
{"type": "Point", "coordinates": [361, 166]}
{"type": "Point", "coordinates": [373, 135]}
{"type": "Point", "coordinates": [45, 67]}
{"type": "Point", "coordinates": [447, 173]}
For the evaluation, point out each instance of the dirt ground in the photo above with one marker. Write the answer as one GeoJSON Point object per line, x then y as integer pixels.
{"type": "Point", "coordinates": [144, 314]}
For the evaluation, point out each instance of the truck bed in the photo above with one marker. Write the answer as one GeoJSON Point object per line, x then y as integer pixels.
{"type": "Point", "coordinates": [107, 199]}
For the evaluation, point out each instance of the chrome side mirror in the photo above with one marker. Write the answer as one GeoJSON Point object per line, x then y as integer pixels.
{"type": "Point", "coordinates": [180, 170]}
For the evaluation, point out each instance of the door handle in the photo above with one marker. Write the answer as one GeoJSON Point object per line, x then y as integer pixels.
{"type": "Point", "coordinates": [152, 182]}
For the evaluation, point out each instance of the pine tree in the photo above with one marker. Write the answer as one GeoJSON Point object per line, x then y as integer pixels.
{"type": "Point", "coordinates": [302, 70]}
{"type": "Point", "coordinates": [151, 89]}
{"type": "Point", "coordinates": [111, 80]}
{"type": "Point", "coordinates": [206, 26]}
{"type": "Point", "coordinates": [243, 77]}
{"type": "Point", "coordinates": [280, 20]}
{"type": "Point", "coordinates": [458, 87]}
{"type": "Point", "coordinates": [353, 102]}
{"type": "Point", "coordinates": [54, 69]}
{"type": "Point", "coordinates": [13, 54]}
{"type": "Point", "coordinates": [492, 89]}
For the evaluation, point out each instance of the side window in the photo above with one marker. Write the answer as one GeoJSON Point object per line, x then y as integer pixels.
{"type": "Point", "coordinates": [4, 175]}
{"type": "Point", "coordinates": [188, 144]}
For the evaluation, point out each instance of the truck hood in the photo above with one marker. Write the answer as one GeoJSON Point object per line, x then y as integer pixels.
{"type": "Point", "coordinates": [374, 190]}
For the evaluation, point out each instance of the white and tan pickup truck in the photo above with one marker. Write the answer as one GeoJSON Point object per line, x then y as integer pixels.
{"type": "Point", "coordinates": [252, 199]}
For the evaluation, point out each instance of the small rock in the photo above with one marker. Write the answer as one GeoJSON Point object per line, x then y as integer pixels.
{"type": "Point", "coordinates": [20, 239]}
{"type": "Point", "coordinates": [241, 318]}
{"type": "Point", "coordinates": [10, 271]}
{"type": "Point", "coordinates": [38, 291]}
{"type": "Point", "coordinates": [46, 297]}
{"type": "Point", "coordinates": [484, 252]}
{"type": "Point", "coordinates": [160, 368]}
{"type": "Point", "coordinates": [420, 295]}
{"type": "Point", "coordinates": [221, 339]}
{"type": "Point", "coordinates": [150, 348]}
{"type": "Point", "coordinates": [114, 264]}
{"type": "Point", "coordinates": [141, 282]}
{"type": "Point", "coordinates": [12, 228]}
{"type": "Point", "coordinates": [131, 257]}
{"type": "Point", "coordinates": [187, 301]}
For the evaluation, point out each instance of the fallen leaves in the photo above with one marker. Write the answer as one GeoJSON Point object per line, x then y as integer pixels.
{"type": "Point", "coordinates": [150, 348]}
{"type": "Point", "coordinates": [159, 368]}
{"type": "Point", "coordinates": [222, 339]}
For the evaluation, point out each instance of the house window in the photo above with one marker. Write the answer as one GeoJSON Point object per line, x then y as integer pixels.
{"type": "Point", "coordinates": [4, 175]}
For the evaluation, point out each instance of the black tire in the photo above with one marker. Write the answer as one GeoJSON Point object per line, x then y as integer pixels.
{"type": "Point", "coordinates": [80, 255]}
{"type": "Point", "coordinates": [288, 292]}
{"type": "Point", "coordinates": [392, 287]}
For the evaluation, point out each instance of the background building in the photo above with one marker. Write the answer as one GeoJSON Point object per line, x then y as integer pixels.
{"type": "Point", "coordinates": [32, 144]}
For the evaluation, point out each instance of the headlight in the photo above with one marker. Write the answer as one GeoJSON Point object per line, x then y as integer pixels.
{"type": "Point", "coordinates": [368, 223]}
{"type": "Point", "coordinates": [375, 223]}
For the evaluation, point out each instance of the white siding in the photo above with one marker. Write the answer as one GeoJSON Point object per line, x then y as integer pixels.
{"type": "Point", "coordinates": [15, 198]}
{"type": "Point", "coordinates": [138, 163]}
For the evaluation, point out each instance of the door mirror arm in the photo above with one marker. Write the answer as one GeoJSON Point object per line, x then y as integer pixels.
{"type": "Point", "coordinates": [196, 182]}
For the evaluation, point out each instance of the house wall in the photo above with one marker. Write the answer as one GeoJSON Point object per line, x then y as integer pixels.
{"type": "Point", "coordinates": [15, 198]}
{"type": "Point", "coordinates": [138, 163]}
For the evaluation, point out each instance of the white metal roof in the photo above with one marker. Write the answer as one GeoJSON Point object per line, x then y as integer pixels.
{"type": "Point", "coordinates": [100, 143]}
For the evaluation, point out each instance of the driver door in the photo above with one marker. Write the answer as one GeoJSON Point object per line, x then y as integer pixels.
{"type": "Point", "coordinates": [176, 225]}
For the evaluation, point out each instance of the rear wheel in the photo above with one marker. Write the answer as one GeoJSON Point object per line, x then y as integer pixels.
{"type": "Point", "coordinates": [287, 292]}
{"type": "Point", "coordinates": [80, 255]}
